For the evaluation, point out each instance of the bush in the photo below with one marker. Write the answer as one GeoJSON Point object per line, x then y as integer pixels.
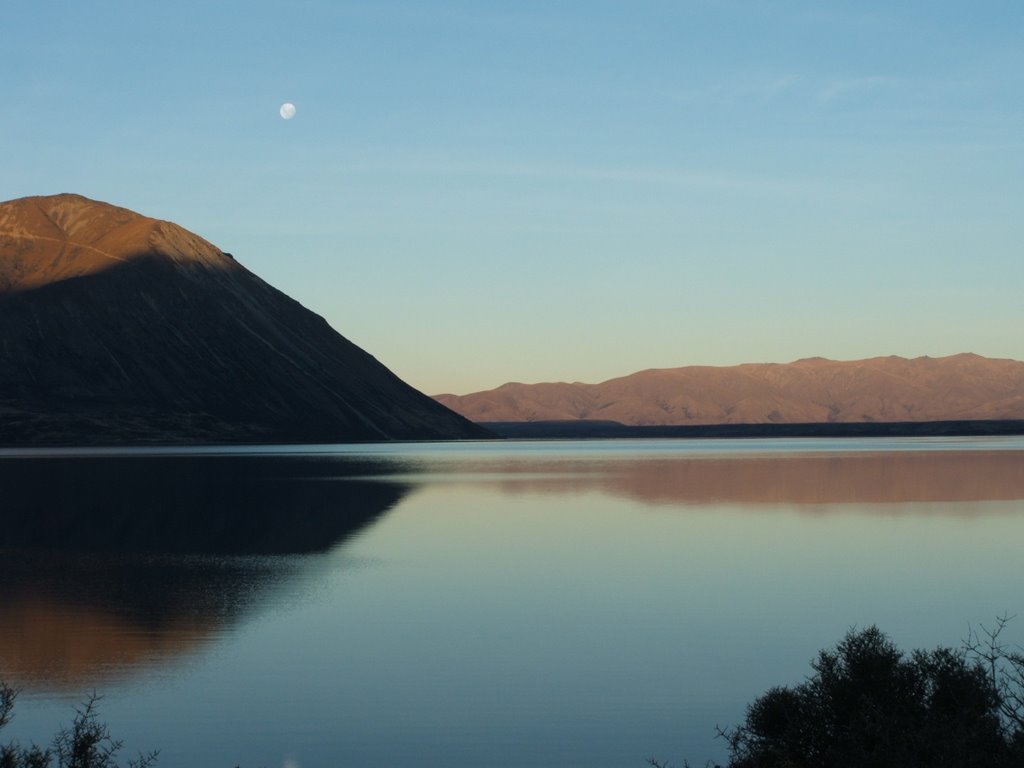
{"type": "Point", "coordinates": [87, 744]}
{"type": "Point", "coordinates": [867, 705]}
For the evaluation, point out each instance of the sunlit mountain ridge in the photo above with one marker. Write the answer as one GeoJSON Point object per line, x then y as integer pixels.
{"type": "Point", "coordinates": [812, 390]}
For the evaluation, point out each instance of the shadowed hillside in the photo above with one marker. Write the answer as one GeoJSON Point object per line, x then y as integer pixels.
{"type": "Point", "coordinates": [118, 327]}
{"type": "Point", "coordinates": [962, 387]}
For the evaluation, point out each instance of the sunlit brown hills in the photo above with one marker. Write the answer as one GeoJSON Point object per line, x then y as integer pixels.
{"type": "Point", "coordinates": [116, 326]}
{"type": "Point", "coordinates": [813, 390]}
{"type": "Point", "coordinates": [49, 239]}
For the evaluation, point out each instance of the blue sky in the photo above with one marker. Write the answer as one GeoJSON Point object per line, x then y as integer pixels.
{"type": "Point", "coordinates": [538, 191]}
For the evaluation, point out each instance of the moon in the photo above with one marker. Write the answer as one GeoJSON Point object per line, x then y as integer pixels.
{"type": "Point", "coordinates": [287, 110]}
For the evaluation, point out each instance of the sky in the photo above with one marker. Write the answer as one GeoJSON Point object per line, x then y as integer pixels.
{"type": "Point", "coordinates": [483, 192]}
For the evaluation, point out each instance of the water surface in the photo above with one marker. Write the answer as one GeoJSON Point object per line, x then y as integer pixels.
{"type": "Point", "coordinates": [517, 603]}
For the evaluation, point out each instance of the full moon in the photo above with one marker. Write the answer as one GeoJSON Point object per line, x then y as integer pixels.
{"type": "Point", "coordinates": [287, 110]}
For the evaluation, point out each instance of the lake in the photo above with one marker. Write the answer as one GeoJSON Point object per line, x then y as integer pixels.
{"type": "Point", "coordinates": [466, 604]}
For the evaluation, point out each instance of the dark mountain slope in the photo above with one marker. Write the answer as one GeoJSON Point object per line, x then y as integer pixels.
{"type": "Point", "coordinates": [115, 326]}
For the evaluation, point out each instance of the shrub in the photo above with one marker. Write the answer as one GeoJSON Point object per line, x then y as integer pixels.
{"type": "Point", "coordinates": [87, 744]}
{"type": "Point", "coordinates": [868, 705]}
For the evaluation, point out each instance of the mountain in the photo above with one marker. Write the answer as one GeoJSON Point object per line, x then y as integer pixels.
{"type": "Point", "coordinates": [813, 390]}
{"type": "Point", "coordinates": [118, 327]}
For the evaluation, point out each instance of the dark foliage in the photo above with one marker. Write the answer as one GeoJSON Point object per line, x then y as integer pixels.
{"type": "Point", "coordinates": [868, 705]}
{"type": "Point", "coordinates": [86, 744]}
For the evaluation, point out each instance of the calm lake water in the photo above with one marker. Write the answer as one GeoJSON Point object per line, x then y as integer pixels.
{"type": "Point", "coordinates": [480, 604]}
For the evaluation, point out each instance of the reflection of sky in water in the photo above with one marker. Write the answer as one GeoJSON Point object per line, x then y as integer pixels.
{"type": "Point", "coordinates": [568, 610]}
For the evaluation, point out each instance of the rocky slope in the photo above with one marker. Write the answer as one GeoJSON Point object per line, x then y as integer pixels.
{"type": "Point", "coordinates": [119, 327]}
{"type": "Point", "coordinates": [814, 390]}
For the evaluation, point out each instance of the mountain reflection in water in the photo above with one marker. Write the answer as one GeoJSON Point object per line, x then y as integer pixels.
{"type": "Point", "coordinates": [188, 504]}
{"type": "Point", "coordinates": [793, 479]}
{"type": "Point", "coordinates": [111, 563]}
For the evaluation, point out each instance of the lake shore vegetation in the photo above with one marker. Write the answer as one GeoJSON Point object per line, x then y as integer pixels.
{"type": "Point", "coordinates": [86, 744]}
{"type": "Point", "coordinates": [867, 704]}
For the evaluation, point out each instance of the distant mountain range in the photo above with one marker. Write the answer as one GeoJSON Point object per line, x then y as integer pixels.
{"type": "Point", "coordinates": [118, 327]}
{"type": "Point", "coordinates": [810, 391]}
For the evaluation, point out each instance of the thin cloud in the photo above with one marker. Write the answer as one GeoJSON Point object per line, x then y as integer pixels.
{"type": "Point", "coordinates": [741, 90]}
{"type": "Point", "coordinates": [845, 87]}
{"type": "Point", "coordinates": [710, 180]}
